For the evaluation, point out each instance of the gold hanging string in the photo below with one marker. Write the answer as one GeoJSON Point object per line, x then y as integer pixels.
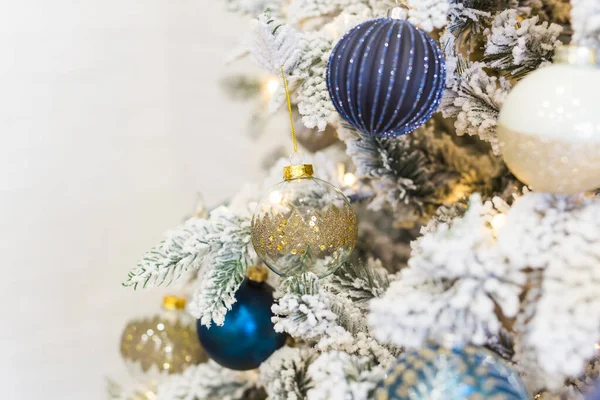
{"type": "Point", "coordinates": [289, 104]}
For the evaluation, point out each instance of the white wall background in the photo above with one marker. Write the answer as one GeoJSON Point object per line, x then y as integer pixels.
{"type": "Point", "coordinates": [111, 120]}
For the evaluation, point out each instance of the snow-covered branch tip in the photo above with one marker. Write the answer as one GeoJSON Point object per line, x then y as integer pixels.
{"type": "Point", "coordinates": [405, 173]}
{"type": "Point", "coordinates": [220, 278]}
{"type": "Point", "coordinates": [455, 282]}
{"type": "Point", "coordinates": [311, 313]}
{"type": "Point", "coordinates": [219, 244]}
{"type": "Point", "coordinates": [285, 374]}
{"type": "Point", "coordinates": [360, 281]}
{"type": "Point", "coordinates": [275, 45]}
{"type": "Point", "coordinates": [208, 381]}
{"type": "Point", "coordinates": [428, 14]}
{"type": "Point", "coordinates": [339, 376]}
{"type": "Point", "coordinates": [559, 237]}
{"type": "Point", "coordinates": [183, 249]}
{"type": "Point", "coordinates": [585, 20]}
{"type": "Point", "coordinates": [314, 103]}
{"type": "Point", "coordinates": [517, 47]}
{"type": "Point", "coordinates": [474, 98]}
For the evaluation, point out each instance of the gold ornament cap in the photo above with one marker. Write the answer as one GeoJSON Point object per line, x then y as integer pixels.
{"type": "Point", "coordinates": [257, 273]}
{"type": "Point", "coordinates": [172, 302]}
{"type": "Point", "coordinates": [298, 171]}
{"type": "Point", "coordinates": [576, 55]}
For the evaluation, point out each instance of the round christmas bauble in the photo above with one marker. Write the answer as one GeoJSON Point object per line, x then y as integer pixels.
{"type": "Point", "coordinates": [304, 224]}
{"type": "Point", "coordinates": [162, 344]}
{"type": "Point", "coordinates": [595, 395]}
{"type": "Point", "coordinates": [247, 337]}
{"type": "Point", "coordinates": [386, 77]}
{"type": "Point", "coordinates": [549, 125]}
{"type": "Point", "coordinates": [438, 373]}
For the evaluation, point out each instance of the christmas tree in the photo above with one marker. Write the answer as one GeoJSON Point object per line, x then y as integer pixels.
{"type": "Point", "coordinates": [474, 271]}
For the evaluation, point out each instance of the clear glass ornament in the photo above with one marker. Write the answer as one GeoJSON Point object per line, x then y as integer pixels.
{"type": "Point", "coordinates": [304, 224]}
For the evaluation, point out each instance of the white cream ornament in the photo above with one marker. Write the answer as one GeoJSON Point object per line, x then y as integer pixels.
{"type": "Point", "coordinates": [549, 125]}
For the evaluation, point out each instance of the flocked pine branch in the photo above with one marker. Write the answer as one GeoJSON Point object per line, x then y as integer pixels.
{"type": "Point", "coordinates": [557, 11]}
{"type": "Point", "coordinates": [308, 312]}
{"type": "Point", "coordinates": [207, 381]}
{"type": "Point", "coordinates": [253, 7]}
{"type": "Point", "coordinates": [275, 44]}
{"type": "Point", "coordinates": [428, 14]}
{"type": "Point", "coordinates": [455, 282]}
{"type": "Point", "coordinates": [221, 277]}
{"type": "Point", "coordinates": [518, 47]}
{"type": "Point", "coordinates": [464, 18]}
{"type": "Point", "coordinates": [219, 244]}
{"type": "Point", "coordinates": [406, 173]}
{"type": "Point", "coordinates": [183, 249]}
{"type": "Point", "coordinates": [301, 10]}
{"type": "Point", "coordinates": [472, 96]}
{"type": "Point", "coordinates": [559, 237]}
{"type": "Point", "coordinates": [585, 20]}
{"type": "Point", "coordinates": [313, 100]}
{"type": "Point", "coordinates": [360, 281]}
{"type": "Point", "coordinates": [339, 376]}
{"type": "Point", "coordinates": [285, 374]}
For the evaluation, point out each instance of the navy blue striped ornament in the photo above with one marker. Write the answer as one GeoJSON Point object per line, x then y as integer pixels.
{"type": "Point", "coordinates": [386, 77]}
{"type": "Point", "coordinates": [451, 374]}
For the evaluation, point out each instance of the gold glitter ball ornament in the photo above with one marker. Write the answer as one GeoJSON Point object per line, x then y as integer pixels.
{"type": "Point", "coordinates": [304, 224]}
{"type": "Point", "coordinates": [162, 344]}
{"type": "Point", "coordinates": [549, 125]}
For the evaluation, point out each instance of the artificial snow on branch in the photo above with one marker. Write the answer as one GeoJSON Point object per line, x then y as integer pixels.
{"type": "Point", "coordinates": [560, 237]}
{"type": "Point", "coordinates": [463, 19]}
{"type": "Point", "coordinates": [300, 10]}
{"type": "Point", "coordinates": [274, 45]}
{"type": "Point", "coordinates": [314, 103]}
{"type": "Point", "coordinates": [474, 98]}
{"type": "Point", "coordinates": [219, 244]}
{"type": "Point", "coordinates": [308, 312]}
{"type": "Point", "coordinates": [339, 376]}
{"type": "Point", "coordinates": [285, 374]}
{"type": "Point", "coordinates": [360, 282]}
{"type": "Point", "coordinates": [455, 281]}
{"type": "Point", "coordinates": [222, 274]}
{"type": "Point", "coordinates": [585, 20]}
{"type": "Point", "coordinates": [305, 312]}
{"type": "Point", "coordinates": [208, 381]}
{"type": "Point", "coordinates": [412, 173]}
{"type": "Point", "coordinates": [518, 47]}
{"type": "Point", "coordinates": [428, 14]}
{"type": "Point", "coordinates": [252, 7]}
{"type": "Point", "coordinates": [183, 249]}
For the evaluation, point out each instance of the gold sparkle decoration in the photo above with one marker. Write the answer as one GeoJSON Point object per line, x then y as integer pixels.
{"type": "Point", "coordinates": [304, 225]}
{"type": "Point", "coordinates": [161, 344]}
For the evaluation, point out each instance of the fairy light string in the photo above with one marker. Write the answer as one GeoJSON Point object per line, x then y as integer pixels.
{"type": "Point", "coordinates": [289, 104]}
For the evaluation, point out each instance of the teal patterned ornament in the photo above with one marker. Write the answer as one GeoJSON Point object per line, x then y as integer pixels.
{"type": "Point", "coordinates": [437, 373]}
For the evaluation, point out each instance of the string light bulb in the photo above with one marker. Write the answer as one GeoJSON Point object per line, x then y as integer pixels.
{"type": "Point", "coordinates": [275, 197]}
{"type": "Point", "coordinates": [272, 85]}
{"type": "Point", "coordinates": [349, 179]}
{"type": "Point", "coordinates": [498, 221]}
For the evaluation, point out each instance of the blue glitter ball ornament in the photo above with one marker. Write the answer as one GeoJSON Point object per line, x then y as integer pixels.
{"type": "Point", "coordinates": [247, 337]}
{"type": "Point", "coordinates": [459, 374]}
{"type": "Point", "coordinates": [594, 395]}
{"type": "Point", "coordinates": [386, 77]}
